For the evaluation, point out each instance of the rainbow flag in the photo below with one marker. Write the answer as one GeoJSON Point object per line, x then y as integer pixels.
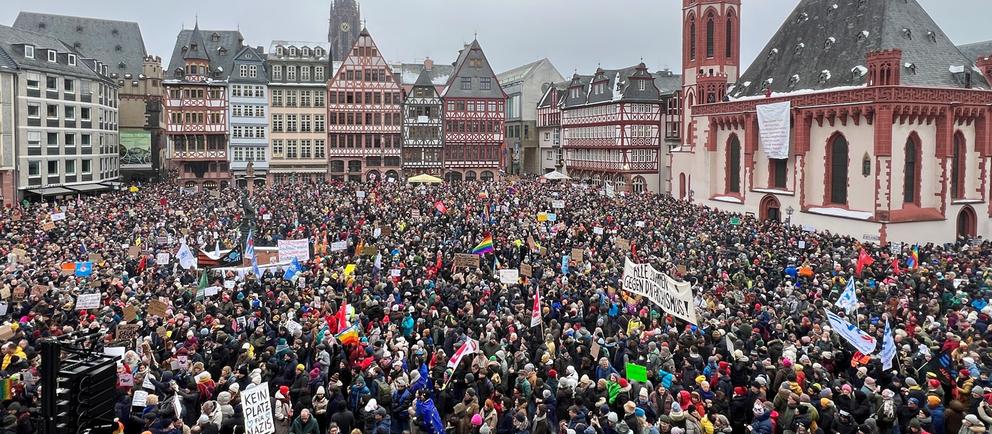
{"type": "Point", "coordinates": [348, 336]}
{"type": "Point", "coordinates": [915, 257]}
{"type": "Point", "coordinates": [485, 246]}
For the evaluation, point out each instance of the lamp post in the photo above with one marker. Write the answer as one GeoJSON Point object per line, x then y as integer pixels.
{"type": "Point", "coordinates": [788, 213]}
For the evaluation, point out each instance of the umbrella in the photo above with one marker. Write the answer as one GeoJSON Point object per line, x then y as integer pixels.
{"type": "Point", "coordinates": [424, 179]}
{"type": "Point", "coordinates": [556, 175]}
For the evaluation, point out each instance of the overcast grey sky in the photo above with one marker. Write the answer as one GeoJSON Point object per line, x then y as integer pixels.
{"type": "Point", "coordinates": [574, 34]}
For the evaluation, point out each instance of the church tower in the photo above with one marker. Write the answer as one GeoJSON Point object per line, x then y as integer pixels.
{"type": "Point", "coordinates": [345, 25]}
{"type": "Point", "coordinates": [710, 51]}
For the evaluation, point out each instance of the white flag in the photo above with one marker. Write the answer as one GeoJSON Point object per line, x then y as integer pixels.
{"type": "Point", "coordinates": [470, 346]}
{"type": "Point", "coordinates": [888, 348]}
{"type": "Point", "coordinates": [186, 257]}
{"type": "Point", "coordinates": [848, 300]}
{"type": "Point", "coordinates": [535, 315]}
{"type": "Point", "coordinates": [861, 341]}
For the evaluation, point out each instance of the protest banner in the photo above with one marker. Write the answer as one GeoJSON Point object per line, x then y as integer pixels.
{"type": "Point", "coordinates": [162, 258]}
{"type": "Point", "coordinates": [576, 255]}
{"type": "Point", "coordinates": [257, 407]}
{"type": "Point", "coordinates": [158, 308]}
{"type": "Point", "coordinates": [126, 333]}
{"type": "Point", "coordinates": [211, 291]}
{"type": "Point", "coordinates": [57, 216]}
{"type": "Point", "coordinates": [338, 246]}
{"type": "Point", "coordinates": [526, 270]}
{"type": "Point", "coordinates": [289, 249]}
{"type": "Point", "coordinates": [140, 398]}
{"type": "Point", "coordinates": [509, 276]}
{"type": "Point", "coordinates": [672, 296]}
{"type": "Point", "coordinates": [466, 260]}
{"type": "Point", "coordinates": [88, 301]}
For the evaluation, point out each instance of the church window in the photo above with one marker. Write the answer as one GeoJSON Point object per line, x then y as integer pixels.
{"type": "Point", "coordinates": [837, 165]}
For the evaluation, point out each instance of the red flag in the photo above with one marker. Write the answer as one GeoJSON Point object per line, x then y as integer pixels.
{"type": "Point", "coordinates": [341, 318]}
{"type": "Point", "coordinates": [633, 252]}
{"type": "Point", "coordinates": [470, 346]}
{"type": "Point", "coordinates": [864, 259]}
{"type": "Point", "coordinates": [895, 266]}
{"type": "Point", "coordinates": [440, 207]}
{"type": "Point", "coordinates": [535, 315]}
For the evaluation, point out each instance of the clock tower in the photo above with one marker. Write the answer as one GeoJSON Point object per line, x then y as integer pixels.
{"type": "Point", "coordinates": [345, 25]}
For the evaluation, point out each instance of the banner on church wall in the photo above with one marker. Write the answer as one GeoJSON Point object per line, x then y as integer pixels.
{"type": "Point", "coordinates": [774, 129]}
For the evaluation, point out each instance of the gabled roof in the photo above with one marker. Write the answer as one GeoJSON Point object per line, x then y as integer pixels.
{"type": "Point", "coordinates": [409, 73]}
{"type": "Point", "coordinates": [12, 43]}
{"type": "Point", "coordinates": [519, 73]}
{"type": "Point", "coordinates": [222, 45]}
{"type": "Point", "coordinates": [977, 50]}
{"type": "Point", "coordinates": [424, 80]}
{"type": "Point", "coordinates": [549, 90]}
{"type": "Point", "coordinates": [115, 43]}
{"type": "Point", "coordinates": [253, 57]}
{"type": "Point", "coordinates": [469, 54]}
{"type": "Point", "coordinates": [823, 41]}
{"type": "Point", "coordinates": [618, 85]}
{"type": "Point", "coordinates": [196, 49]}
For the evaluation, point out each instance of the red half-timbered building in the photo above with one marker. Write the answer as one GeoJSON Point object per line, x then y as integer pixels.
{"type": "Point", "coordinates": [474, 116]}
{"type": "Point", "coordinates": [196, 104]}
{"type": "Point", "coordinates": [364, 116]}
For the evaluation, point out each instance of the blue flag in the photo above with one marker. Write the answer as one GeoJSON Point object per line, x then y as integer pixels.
{"type": "Point", "coordinates": [848, 300]}
{"type": "Point", "coordinates": [564, 264]}
{"type": "Point", "coordinates": [427, 412]}
{"type": "Point", "coordinates": [888, 348]}
{"type": "Point", "coordinates": [84, 269]}
{"type": "Point", "coordinates": [424, 382]}
{"type": "Point", "coordinates": [294, 269]}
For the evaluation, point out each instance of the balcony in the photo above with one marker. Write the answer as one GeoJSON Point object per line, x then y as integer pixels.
{"type": "Point", "coordinates": [200, 155]}
{"type": "Point", "coordinates": [196, 128]}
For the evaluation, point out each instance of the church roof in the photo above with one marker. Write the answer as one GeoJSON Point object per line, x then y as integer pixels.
{"type": "Point", "coordinates": [977, 50]}
{"type": "Point", "coordinates": [222, 46]}
{"type": "Point", "coordinates": [823, 44]}
{"type": "Point", "coordinates": [117, 44]}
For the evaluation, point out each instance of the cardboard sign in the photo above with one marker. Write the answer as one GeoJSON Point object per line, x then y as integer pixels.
{"type": "Point", "coordinates": [47, 226]}
{"type": "Point", "coordinates": [4, 292]}
{"type": "Point", "coordinates": [124, 379]}
{"type": "Point", "coordinates": [211, 291]}
{"type": "Point", "coordinates": [229, 284]}
{"type": "Point", "coordinates": [19, 292]}
{"type": "Point", "coordinates": [369, 251]}
{"type": "Point", "coordinates": [594, 350]}
{"type": "Point", "coordinates": [623, 244]}
{"type": "Point", "coordinates": [526, 270]}
{"type": "Point", "coordinates": [6, 332]}
{"type": "Point", "coordinates": [39, 290]}
{"type": "Point", "coordinates": [338, 246]}
{"type": "Point", "coordinates": [130, 313]}
{"type": "Point", "coordinates": [158, 308]}
{"type": "Point", "coordinates": [57, 216]}
{"type": "Point", "coordinates": [95, 258]}
{"type": "Point", "coordinates": [20, 253]}
{"type": "Point", "coordinates": [466, 260]}
{"type": "Point", "coordinates": [257, 408]}
{"type": "Point", "coordinates": [88, 301]}
{"type": "Point", "coordinates": [681, 269]}
{"type": "Point", "coordinates": [162, 258]}
{"type": "Point", "coordinates": [127, 332]}
{"type": "Point", "coordinates": [576, 255]}
{"type": "Point", "coordinates": [415, 214]}
{"type": "Point", "coordinates": [133, 251]}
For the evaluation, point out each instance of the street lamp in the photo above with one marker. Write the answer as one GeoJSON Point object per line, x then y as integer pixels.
{"type": "Point", "coordinates": [788, 213]}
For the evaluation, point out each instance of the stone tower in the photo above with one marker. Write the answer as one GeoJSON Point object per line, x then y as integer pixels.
{"type": "Point", "coordinates": [345, 24]}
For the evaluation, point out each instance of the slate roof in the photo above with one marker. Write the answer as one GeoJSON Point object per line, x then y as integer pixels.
{"type": "Point", "coordinates": [620, 85]}
{"type": "Point", "coordinates": [822, 41]}
{"type": "Point", "coordinates": [11, 39]}
{"type": "Point", "coordinates": [977, 50]}
{"type": "Point", "coordinates": [549, 88]}
{"type": "Point", "coordinates": [6, 61]}
{"type": "Point", "coordinates": [424, 80]}
{"type": "Point", "coordinates": [230, 40]}
{"type": "Point", "coordinates": [463, 69]}
{"type": "Point", "coordinates": [409, 73]}
{"type": "Point", "coordinates": [250, 56]}
{"type": "Point", "coordinates": [112, 42]}
{"type": "Point", "coordinates": [519, 73]}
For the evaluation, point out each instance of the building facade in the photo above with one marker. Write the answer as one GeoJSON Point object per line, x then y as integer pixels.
{"type": "Point", "coordinates": [196, 106]}
{"type": "Point", "coordinates": [364, 102]}
{"type": "Point", "coordinates": [298, 93]}
{"type": "Point", "coordinates": [552, 157]}
{"type": "Point", "coordinates": [120, 46]}
{"type": "Point", "coordinates": [523, 86]}
{"type": "Point", "coordinates": [65, 119]}
{"type": "Point", "coordinates": [423, 127]}
{"type": "Point", "coordinates": [248, 118]}
{"type": "Point", "coordinates": [890, 123]}
{"type": "Point", "coordinates": [474, 118]}
{"type": "Point", "coordinates": [343, 28]}
{"type": "Point", "coordinates": [613, 126]}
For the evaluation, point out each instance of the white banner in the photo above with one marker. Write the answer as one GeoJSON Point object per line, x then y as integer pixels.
{"type": "Point", "coordinates": [88, 301]}
{"type": "Point", "coordinates": [860, 340]}
{"type": "Point", "coordinates": [672, 296]}
{"type": "Point", "coordinates": [338, 246]}
{"type": "Point", "coordinates": [289, 249]}
{"type": "Point", "coordinates": [558, 204]}
{"type": "Point", "coordinates": [58, 216]}
{"type": "Point", "coordinates": [510, 276]}
{"type": "Point", "coordinates": [162, 258]}
{"type": "Point", "coordinates": [257, 410]}
{"type": "Point", "coordinates": [773, 129]}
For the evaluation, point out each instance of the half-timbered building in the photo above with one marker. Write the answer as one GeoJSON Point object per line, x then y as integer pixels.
{"type": "Point", "coordinates": [196, 105]}
{"type": "Point", "coordinates": [612, 127]}
{"type": "Point", "coordinates": [363, 116]}
{"type": "Point", "coordinates": [888, 129]}
{"type": "Point", "coordinates": [423, 136]}
{"type": "Point", "coordinates": [552, 157]}
{"type": "Point", "coordinates": [474, 118]}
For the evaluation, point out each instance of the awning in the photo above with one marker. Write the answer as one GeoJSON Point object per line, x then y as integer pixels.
{"type": "Point", "coordinates": [85, 188]}
{"type": "Point", "coordinates": [113, 184]}
{"type": "Point", "coordinates": [50, 191]}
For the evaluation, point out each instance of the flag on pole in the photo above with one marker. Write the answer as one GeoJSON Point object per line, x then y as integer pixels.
{"type": "Point", "coordinates": [293, 271]}
{"type": "Point", "coordinates": [470, 346]}
{"type": "Point", "coordinates": [186, 257]}
{"type": "Point", "coordinates": [83, 269]}
{"type": "Point", "coordinates": [864, 259]}
{"type": "Point", "coordinates": [485, 246]}
{"type": "Point", "coordinates": [349, 336]}
{"type": "Point", "coordinates": [860, 340]}
{"type": "Point", "coordinates": [535, 315]}
{"type": "Point", "coordinates": [250, 252]}
{"type": "Point", "coordinates": [914, 257]}
{"type": "Point", "coordinates": [888, 348]}
{"type": "Point", "coordinates": [439, 206]}
{"type": "Point", "coordinates": [848, 300]}
{"type": "Point", "coordinates": [341, 318]}
{"type": "Point", "coordinates": [378, 261]}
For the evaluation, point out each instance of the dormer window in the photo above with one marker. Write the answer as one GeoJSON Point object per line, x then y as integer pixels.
{"type": "Point", "coordinates": [52, 56]}
{"type": "Point", "coordinates": [279, 51]}
{"type": "Point", "coordinates": [802, 17]}
{"type": "Point", "coordinates": [318, 52]}
{"type": "Point", "coordinates": [118, 48]}
{"type": "Point", "coordinates": [829, 43]}
{"type": "Point", "coordinates": [306, 52]}
{"type": "Point", "coordinates": [121, 65]}
{"type": "Point", "coordinates": [863, 36]}
{"type": "Point", "coordinates": [29, 52]}
{"type": "Point", "coordinates": [911, 67]}
{"type": "Point", "coordinates": [824, 76]}
{"type": "Point", "coordinates": [79, 29]}
{"type": "Point", "coordinates": [214, 37]}
{"type": "Point", "coordinates": [72, 60]}
{"type": "Point", "coordinates": [222, 51]}
{"type": "Point", "coordinates": [292, 51]}
{"type": "Point", "coordinates": [192, 47]}
{"type": "Point", "coordinates": [799, 48]}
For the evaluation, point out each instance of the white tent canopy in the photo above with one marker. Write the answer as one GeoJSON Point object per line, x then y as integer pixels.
{"type": "Point", "coordinates": [556, 175]}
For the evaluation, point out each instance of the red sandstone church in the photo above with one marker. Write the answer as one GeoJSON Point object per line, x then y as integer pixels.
{"type": "Point", "coordinates": [888, 128]}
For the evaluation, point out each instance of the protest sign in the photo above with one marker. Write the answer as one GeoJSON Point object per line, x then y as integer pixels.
{"type": "Point", "coordinates": [88, 301]}
{"type": "Point", "coordinates": [257, 409]}
{"type": "Point", "coordinates": [292, 327]}
{"type": "Point", "coordinates": [19, 292]}
{"type": "Point", "coordinates": [466, 260]}
{"type": "Point", "coordinates": [597, 230]}
{"type": "Point", "coordinates": [531, 244]}
{"type": "Point", "coordinates": [395, 272]}
{"type": "Point", "coordinates": [509, 276]}
{"type": "Point", "coordinates": [162, 258]}
{"type": "Point", "coordinates": [47, 226]}
{"type": "Point", "coordinates": [576, 255]}
{"type": "Point", "coordinates": [526, 270]}
{"type": "Point", "coordinates": [3, 307]}
{"type": "Point", "coordinates": [57, 216]}
{"type": "Point", "coordinates": [6, 332]}
{"type": "Point", "coordinates": [542, 217]}
{"type": "Point", "coordinates": [139, 399]}
{"type": "Point", "coordinates": [211, 291]}
{"type": "Point", "coordinates": [289, 249]}
{"type": "Point", "coordinates": [124, 379]}
{"type": "Point", "coordinates": [95, 258]}
{"type": "Point", "coordinates": [133, 251]}
{"type": "Point", "coordinates": [672, 296]}
{"type": "Point", "coordinates": [229, 284]}
{"type": "Point", "coordinates": [369, 251]}
{"type": "Point", "coordinates": [127, 332]}
{"type": "Point", "coordinates": [338, 246]}
{"type": "Point", "coordinates": [38, 290]}
{"type": "Point", "coordinates": [266, 217]}
{"type": "Point", "coordinates": [636, 372]}
{"type": "Point", "coordinates": [130, 313]}
{"type": "Point", "coordinates": [558, 204]}
{"type": "Point", "coordinates": [4, 292]}
{"type": "Point", "coordinates": [360, 194]}
{"type": "Point", "coordinates": [639, 224]}
{"type": "Point", "coordinates": [623, 244]}
{"type": "Point", "coordinates": [158, 308]}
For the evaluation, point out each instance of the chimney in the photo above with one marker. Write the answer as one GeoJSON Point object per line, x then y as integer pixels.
{"type": "Point", "coordinates": [428, 64]}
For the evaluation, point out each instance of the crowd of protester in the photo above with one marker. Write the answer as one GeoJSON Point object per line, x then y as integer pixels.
{"type": "Point", "coordinates": [760, 360]}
